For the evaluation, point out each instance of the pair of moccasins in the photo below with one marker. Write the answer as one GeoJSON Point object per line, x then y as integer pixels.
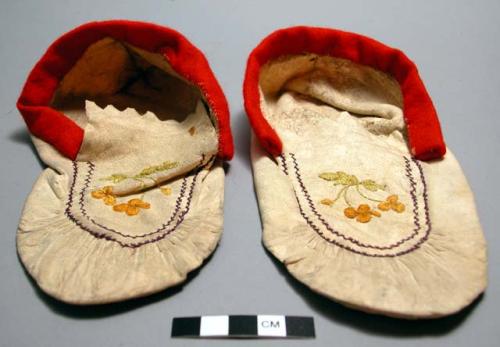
{"type": "Point", "coordinates": [358, 195]}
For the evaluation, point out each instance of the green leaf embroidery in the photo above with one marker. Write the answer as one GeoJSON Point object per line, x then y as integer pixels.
{"type": "Point", "coordinates": [371, 185]}
{"type": "Point", "coordinates": [329, 176]}
{"type": "Point", "coordinates": [115, 178]}
{"type": "Point", "coordinates": [339, 177]}
{"type": "Point", "coordinates": [167, 165]}
{"type": "Point", "coordinates": [148, 171]}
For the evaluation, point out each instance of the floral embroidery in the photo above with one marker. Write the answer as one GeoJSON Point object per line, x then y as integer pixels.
{"type": "Point", "coordinates": [166, 190]}
{"type": "Point", "coordinates": [106, 194]}
{"type": "Point", "coordinates": [363, 213]}
{"type": "Point", "coordinates": [327, 202]}
{"type": "Point", "coordinates": [392, 203]}
{"type": "Point", "coordinates": [132, 207]}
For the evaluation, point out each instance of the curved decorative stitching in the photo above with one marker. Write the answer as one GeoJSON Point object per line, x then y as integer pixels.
{"type": "Point", "coordinates": [352, 240]}
{"type": "Point", "coordinates": [84, 211]}
{"type": "Point", "coordinates": [69, 205]}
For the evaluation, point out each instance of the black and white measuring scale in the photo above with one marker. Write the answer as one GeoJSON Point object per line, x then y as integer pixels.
{"type": "Point", "coordinates": [244, 326]}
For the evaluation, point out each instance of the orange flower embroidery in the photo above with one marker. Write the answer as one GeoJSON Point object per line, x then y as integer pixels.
{"type": "Point", "coordinates": [166, 190]}
{"type": "Point", "coordinates": [327, 202]}
{"type": "Point", "coordinates": [132, 207]}
{"type": "Point", "coordinates": [363, 213]}
{"type": "Point", "coordinates": [392, 203]}
{"type": "Point", "coordinates": [106, 194]}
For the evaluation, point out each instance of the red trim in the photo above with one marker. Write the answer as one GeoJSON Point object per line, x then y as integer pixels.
{"type": "Point", "coordinates": [65, 135]}
{"type": "Point", "coordinates": [424, 131]}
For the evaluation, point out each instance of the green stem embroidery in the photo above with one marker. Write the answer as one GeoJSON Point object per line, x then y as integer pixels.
{"type": "Point", "coordinates": [366, 197]}
{"type": "Point", "coordinates": [145, 173]}
{"type": "Point", "coordinates": [339, 194]}
{"type": "Point", "coordinates": [345, 195]}
{"type": "Point", "coordinates": [143, 185]}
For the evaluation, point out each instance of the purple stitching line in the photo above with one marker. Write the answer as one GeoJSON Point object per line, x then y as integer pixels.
{"type": "Point", "coordinates": [425, 194]}
{"type": "Point", "coordinates": [319, 232]}
{"type": "Point", "coordinates": [285, 168]}
{"type": "Point", "coordinates": [84, 211]}
{"type": "Point", "coordinates": [347, 238]}
{"type": "Point", "coordinates": [98, 235]}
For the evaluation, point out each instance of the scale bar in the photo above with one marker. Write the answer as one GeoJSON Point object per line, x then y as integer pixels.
{"type": "Point", "coordinates": [244, 326]}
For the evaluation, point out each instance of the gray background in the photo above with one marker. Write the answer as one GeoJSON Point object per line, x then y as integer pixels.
{"type": "Point", "coordinates": [455, 45]}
